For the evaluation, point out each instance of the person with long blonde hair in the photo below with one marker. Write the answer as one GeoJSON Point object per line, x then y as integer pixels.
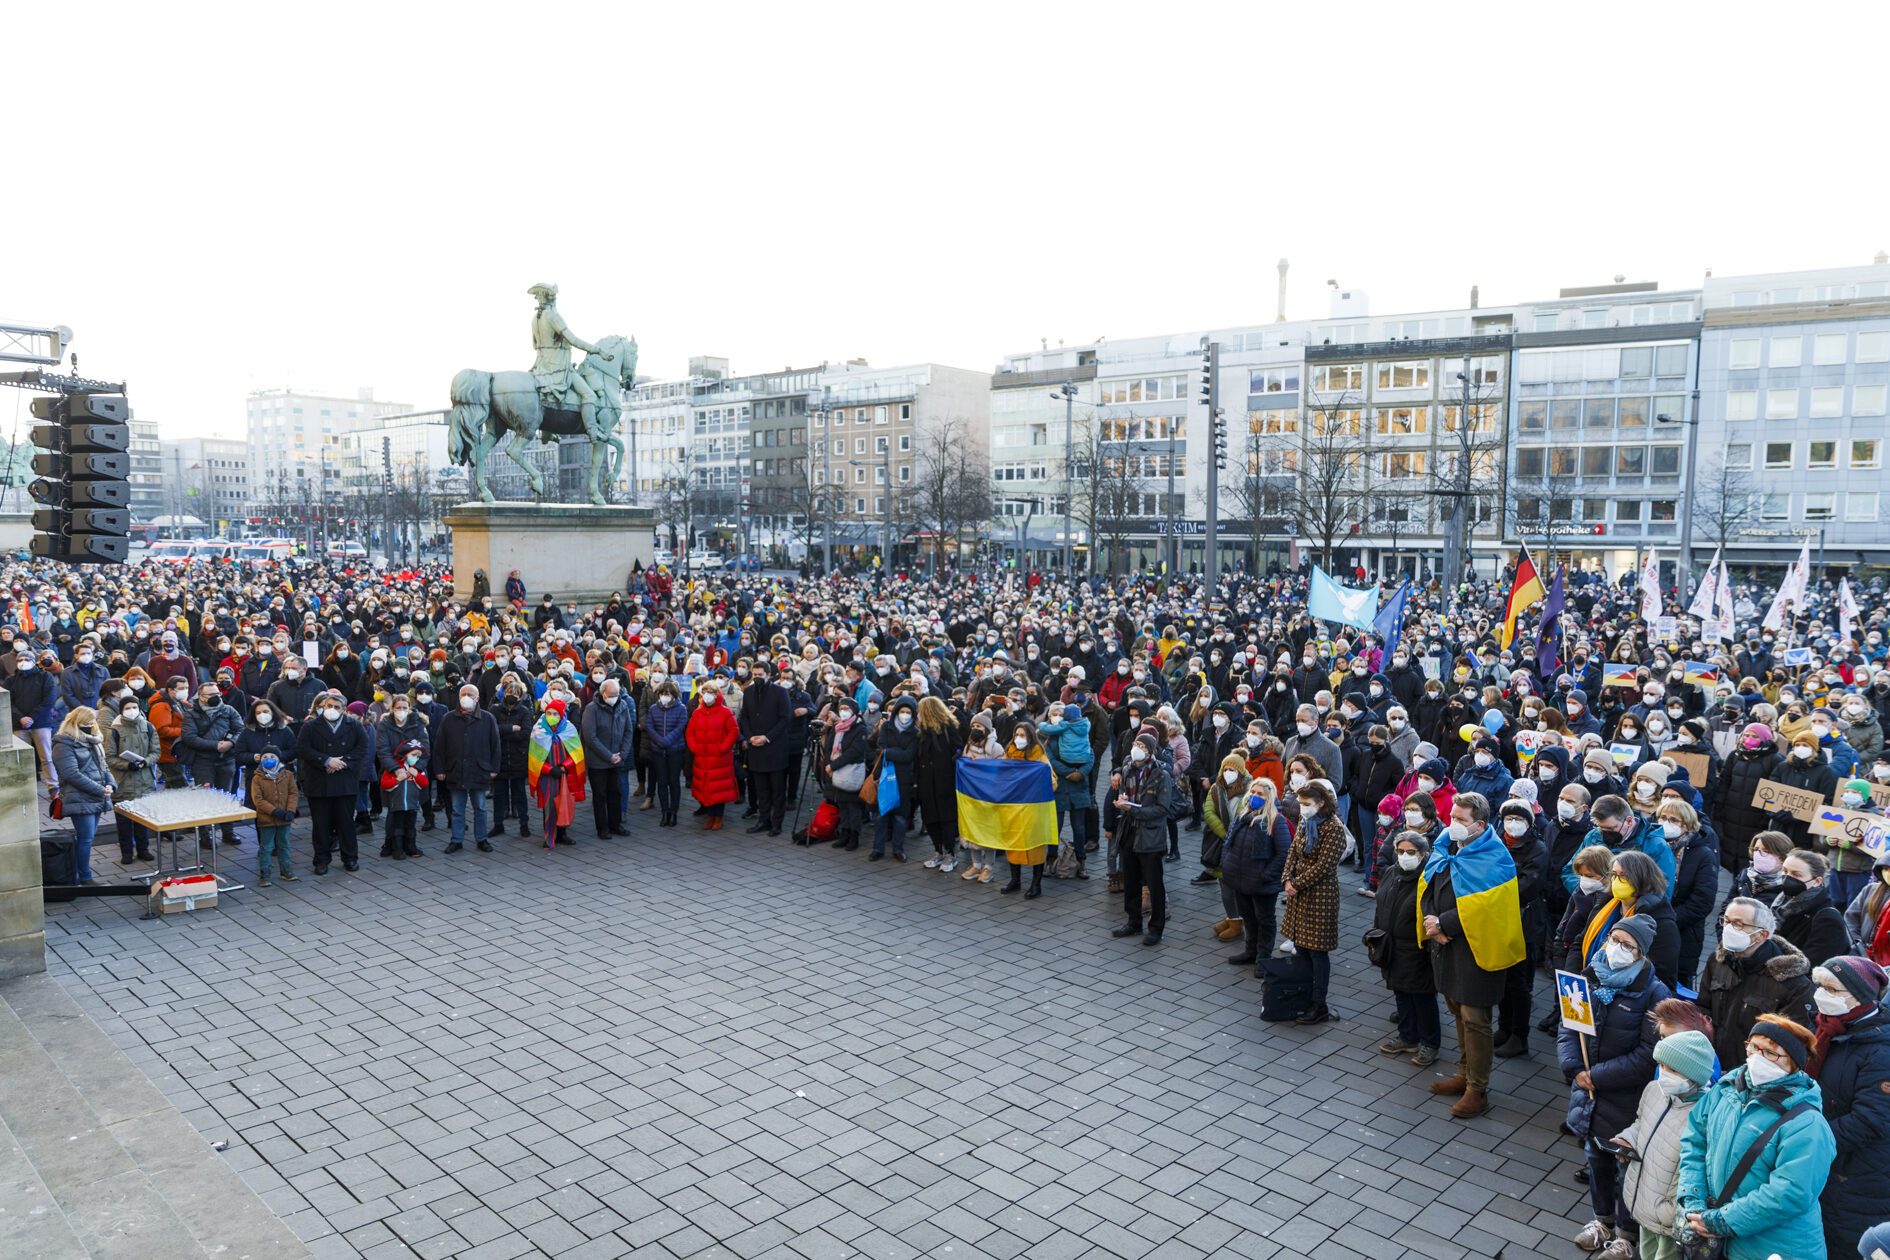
{"type": "Point", "coordinates": [939, 741]}
{"type": "Point", "coordinates": [1025, 746]}
{"type": "Point", "coordinates": [85, 784]}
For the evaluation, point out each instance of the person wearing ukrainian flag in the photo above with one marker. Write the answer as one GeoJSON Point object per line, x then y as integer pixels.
{"type": "Point", "coordinates": [1470, 922]}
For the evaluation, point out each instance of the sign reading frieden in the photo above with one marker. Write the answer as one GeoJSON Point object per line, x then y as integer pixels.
{"type": "Point", "coordinates": [1776, 797]}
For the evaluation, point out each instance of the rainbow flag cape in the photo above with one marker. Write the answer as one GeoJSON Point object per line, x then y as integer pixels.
{"type": "Point", "coordinates": [1004, 804]}
{"type": "Point", "coordinates": [1489, 904]}
{"type": "Point", "coordinates": [540, 751]}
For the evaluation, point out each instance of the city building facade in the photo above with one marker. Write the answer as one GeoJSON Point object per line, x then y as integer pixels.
{"type": "Point", "coordinates": [207, 478]}
{"type": "Point", "coordinates": [295, 442]}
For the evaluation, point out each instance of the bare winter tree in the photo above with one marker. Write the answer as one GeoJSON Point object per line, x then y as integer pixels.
{"type": "Point", "coordinates": [952, 487]}
{"type": "Point", "coordinates": [1328, 498]}
{"type": "Point", "coordinates": [1083, 477]}
{"type": "Point", "coordinates": [677, 501]}
{"type": "Point", "coordinates": [1723, 500]}
{"type": "Point", "coordinates": [1545, 499]}
{"type": "Point", "coordinates": [1262, 482]}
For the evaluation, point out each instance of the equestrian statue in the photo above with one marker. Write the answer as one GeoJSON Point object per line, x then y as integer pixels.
{"type": "Point", "coordinates": [503, 411]}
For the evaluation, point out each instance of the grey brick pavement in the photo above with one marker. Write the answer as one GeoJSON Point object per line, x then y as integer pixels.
{"type": "Point", "coordinates": [717, 1045]}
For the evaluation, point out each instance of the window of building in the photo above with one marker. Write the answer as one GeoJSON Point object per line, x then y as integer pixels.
{"type": "Point", "coordinates": [1865, 453]}
{"type": "Point", "coordinates": [859, 476]}
{"type": "Point", "coordinates": [881, 415]}
{"type": "Point", "coordinates": [1743, 353]}
{"type": "Point", "coordinates": [1562, 461]}
{"type": "Point", "coordinates": [1860, 505]}
{"type": "Point", "coordinates": [1742, 404]}
{"type": "Point", "coordinates": [1532, 416]}
{"type": "Point", "coordinates": [1627, 512]}
{"type": "Point", "coordinates": [820, 476]}
{"type": "Point", "coordinates": [1738, 454]}
{"type": "Point", "coordinates": [1594, 511]}
{"type": "Point", "coordinates": [1597, 461]}
{"type": "Point", "coordinates": [1867, 400]}
{"type": "Point", "coordinates": [1565, 413]}
{"type": "Point", "coordinates": [1821, 454]}
{"type": "Point", "coordinates": [1778, 455]}
{"type": "Point", "coordinates": [797, 437]}
{"type": "Point", "coordinates": [1598, 413]}
{"type": "Point", "coordinates": [1279, 380]}
{"type": "Point", "coordinates": [1336, 377]}
{"type": "Point", "coordinates": [1482, 418]}
{"type": "Point", "coordinates": [905, 473]}
{"type": "Point", "coordinates": [1821, 505]}
{"type": "Point", "coordinates": [905, 411]}
{"type": "Point", "coordinates": [1337, 422]}
{"type": "Point", "coordinates": [1412, 374]}
{"type": "Point", "coordinates": [880, 445]}
{"type": "Point", "coordinates": [859, 446]}
{"type": "Point", "coordinates": [1401, 465]}
{"type": "Point", "coordinates": [1278, 421]}
{"type": "Point", "coordinates": [1781, 404]}
{"type": "Point", "coordinates": [905, 441]}
{"type": "Point", "coordinates": [859, 507]}
{"type": "Point", "coordinates": [839, 418]}
{"type": "Point", "coordinates": [1775, 507]}
{"type": "Point", "coordinates": [1787, 352]}
{"type": "Point", "coordinates": [1827, 401]}
{"type": "Point", "coordinates": [1630, 461]}
{"type": "Point", "coordinates": [1669, 361]}
{"type": "Point", "coordinates": [1873, 347]}
{"type": "Point", "coordinates": [1664, 461]}
{"type": "Point", "coordinates": [1545, 323]}
{"type": "Point", "coordinates": [1402, 421]}
{"type": "Point", "coordinates": [1633, 413]}
{"type": "Point", "coordinates": [1827, 348]}
{"type": "Point", "coordinates": [1529, 462]}
{"type": "Point", "coordinates": [1637, 362]}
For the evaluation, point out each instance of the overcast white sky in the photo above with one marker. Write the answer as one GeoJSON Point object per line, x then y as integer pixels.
{"type": "Point", "coordinates": [334, 195]}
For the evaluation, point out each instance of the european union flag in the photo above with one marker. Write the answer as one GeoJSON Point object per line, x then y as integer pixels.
{"type": "Point", "coordinates": [1549, 634]}
{"type": "Point", "coordinates": [1389, 624]}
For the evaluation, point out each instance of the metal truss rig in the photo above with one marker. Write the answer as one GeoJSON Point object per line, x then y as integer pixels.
{"type": "Point", "coordinates": [53, 383]}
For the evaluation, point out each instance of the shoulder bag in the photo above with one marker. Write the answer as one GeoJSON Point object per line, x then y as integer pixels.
{"type": "Point", "coordinates": [869, 787]}
{"type": "Point", "coordinates": [1698, 1247]}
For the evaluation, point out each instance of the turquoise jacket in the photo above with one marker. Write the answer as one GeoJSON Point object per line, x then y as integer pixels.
{"type": "Point", "coordinates": [1775, 1210]}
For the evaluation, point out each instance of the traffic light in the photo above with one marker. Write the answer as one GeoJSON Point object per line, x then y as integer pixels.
{"type": "Point", "coordinates": [83, 476]}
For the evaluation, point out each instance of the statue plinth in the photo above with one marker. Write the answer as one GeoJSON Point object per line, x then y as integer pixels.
{"type": "Point", "coordinates": [565, 550]}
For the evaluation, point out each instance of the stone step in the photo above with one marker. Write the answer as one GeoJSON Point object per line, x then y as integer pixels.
{"type": "Point", "coordinates": [94, 1162]}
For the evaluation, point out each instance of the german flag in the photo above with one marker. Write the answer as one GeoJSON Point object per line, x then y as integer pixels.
{"type": "Point", "coordinates": [1526, 591]}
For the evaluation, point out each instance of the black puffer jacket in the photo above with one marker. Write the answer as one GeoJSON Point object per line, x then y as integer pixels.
{"type": "Point", "coordinates": [1739, 821]}
{"type": "Point", "coordinates": [1814, 925]}
{"type": "Point", "coordinates": [1253, 857]}
{"type": "Point", "coordinates": [515, 733]}
{"type": "Point", "coordinates": [1396, 914]}
{"type": "Point", "coordinates": [1620, 1058]}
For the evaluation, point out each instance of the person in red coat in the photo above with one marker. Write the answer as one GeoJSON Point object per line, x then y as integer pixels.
{"type": "Point", "coordinates": [711, 735]}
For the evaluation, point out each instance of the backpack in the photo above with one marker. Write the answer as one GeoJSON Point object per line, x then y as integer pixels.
{"type": "Point", "coordinates": [825, 824]}
{"type": "Point", "coordinates": [1180, 799]}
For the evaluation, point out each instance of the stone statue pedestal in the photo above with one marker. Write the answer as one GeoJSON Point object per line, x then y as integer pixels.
{"type": "Point", "coordinates": [565, 550]}
{"type": "Point", "coordinates": [22, 903]}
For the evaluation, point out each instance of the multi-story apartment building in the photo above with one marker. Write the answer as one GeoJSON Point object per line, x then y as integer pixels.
{"type": "Point", "coordinates": [1795, 373]}
{"type": "Point", "coordinates": [207, 478]}
{"type": "Point", "coordinates": [295, 442]}
{"type": "Point", "coordinates": [147, 473]}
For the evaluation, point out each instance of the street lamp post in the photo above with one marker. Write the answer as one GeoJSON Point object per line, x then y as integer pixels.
{"type": "Point", "coordinates": [1067, 392]}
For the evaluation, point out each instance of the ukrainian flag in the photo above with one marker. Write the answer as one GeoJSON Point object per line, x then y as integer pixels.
{"type": "Point", "coordinates": [1006, 804]}
{"type": "Point", "coordinates": [1489, 904]}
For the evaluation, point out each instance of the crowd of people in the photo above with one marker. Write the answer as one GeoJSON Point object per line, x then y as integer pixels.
{"type": "Point", "coordinates": [1590, 799]}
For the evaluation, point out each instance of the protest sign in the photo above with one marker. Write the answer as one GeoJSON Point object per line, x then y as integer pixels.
{"type": "Point", "coordinates": [1776, 797]}
{"type": "Point", "coordinates": [1575, 1002]}
{"type": "Point", "coordinates": [1693, 763]}
{"type": "Point", "coordinates": [1852, 828]}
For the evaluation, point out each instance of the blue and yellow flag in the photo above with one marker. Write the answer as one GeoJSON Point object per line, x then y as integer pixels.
{"type": "Point", "coordinates": [1005, 804]}
{"type": "Point", "coordinates": [1489, 904]}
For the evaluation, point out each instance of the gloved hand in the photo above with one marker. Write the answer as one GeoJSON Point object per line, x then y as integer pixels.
{"type": "Point", "coordinates": [282, 815]}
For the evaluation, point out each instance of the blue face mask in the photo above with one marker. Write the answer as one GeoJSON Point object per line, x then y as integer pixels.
{"type": "Point", "coordinates": [270, 763]}
{"type": "Point", "coordinates": [1256, 800]}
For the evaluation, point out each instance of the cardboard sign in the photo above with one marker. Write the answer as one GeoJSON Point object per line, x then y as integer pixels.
{"type": "Point", "coordinates": [1880, 793]}
{"type": "Point", "coordinates": [1575, 1002]}
{"type": "Point", "coordinates": [1617, 676]}
{"type": "Point", "coordinates": [1709, 633]}
{"type": "Point", "coordinates": [1776, 797]}
{"type": "Point", "coordinates": [1528, 743]}
{"type": "Point", "coordinates": [1624, 753]}
{"type": "Point", "coordinates": [312, 653]}
{"type": "Point", "coordinates": [1665, 629]}
{"type": "Point", "coordinates": [1852, 828]}
{"type": "Point", "coordinates": [1695, 765]}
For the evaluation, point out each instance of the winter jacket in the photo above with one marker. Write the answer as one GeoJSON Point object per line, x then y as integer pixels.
{"type": "Point", "coordinates": [612, 728]}
{"type": "Point", "coordinates": [1866, 737]}
{"type": "Point", "coordinates": [1453, 965]}
{"type": "Point", "coordinates": [711, 736]}
{"type": "Point", "coordinates": [1851, 1080]}
{"type": "Point", "coordinates": [1371, 776]}
{"type": "Point", "coordinates": [1253, 857]}
{"type": "Point", "coordinates": [1621, 1053]}
{"type": "Point", "coordinates": [131, 750]}
{"type": "Point", "coordinates": [409, 793]}
{"type": "Point", "coordinates": [900, 750]}
{"type": "Point", "coordinates": [1739, 819]}
{"type": "Point", "coordinates": [1311, 916]}
{"type": "Point", "coordinates": [1812, 776]}
{"type": "Point", "coordinates": [295, 698]}
{"type": "Point", "coordinates": [1735, 990]}
{"type": "Point", "coordinates": [1395, 913]}
{"type": "Point", "coordinates": [938, 782]}
{"type": "Point", "coordinates": [253, 740]}
{"type": "Point", "coordinates": [466, 750]}
{"type": "Point", "coordinates": [390, 737]}
{"type": "Point", "coordinates": [84, 780]}
{"type": "Point", "coordinates": [271, 792]}
{"type": "Point", "coordinates": [514, 719]}
{"type": "Point", "coordinates": [1774, 1211]}
{"type": "Point", "coordinates": [1493, 781]}
{"type": "Point", "coordinates": [1323, 751]}
{"type": "Point", "coordinates": [34, 695]}
{"type": "Point", "coordinates": [79, 684]}
{"type": "Point", "coordinates": [204, 729]}
{"type": "Point", "coordinates": [666, 725]}
{"type": "Point", "coordinates": [1650, 1182]}
{"type": "Point", "coordinates": [1814, 925]}
{"type": "Point", "coordinates": [1143, 827]}
{"type": "Point", "coordinates": [1647, 838]}
{"type": "Point", "coordinates": [766, 710]}
{"type": "Point", "coordinates": [317, 741]}
{"type": "Point", "coordinates": [1694, 890]}
{"type": "Point", "coordinates": [1067, 746]}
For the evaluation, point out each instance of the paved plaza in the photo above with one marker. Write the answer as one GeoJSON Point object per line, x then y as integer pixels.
{"type": "Point", "coordinates": [706, 1044]}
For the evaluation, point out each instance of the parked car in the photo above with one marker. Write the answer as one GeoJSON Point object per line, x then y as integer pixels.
{"type": "Point", "coordinates": [705, 561]}
{"type": "Point", "coordinates": [665, 557]}
{"type": "Point", "coordinates": [748, 561]}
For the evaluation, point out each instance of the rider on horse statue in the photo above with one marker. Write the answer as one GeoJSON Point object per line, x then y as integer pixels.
{"type": "Point", "coordinates": [553, 339]}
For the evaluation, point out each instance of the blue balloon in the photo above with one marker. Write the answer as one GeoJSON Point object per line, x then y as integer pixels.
{"type": "Point", "coordinates": [1492, 720]}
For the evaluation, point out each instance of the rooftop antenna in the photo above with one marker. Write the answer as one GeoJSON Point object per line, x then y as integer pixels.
{"type": "Point", "coordinates": [1280, 318]}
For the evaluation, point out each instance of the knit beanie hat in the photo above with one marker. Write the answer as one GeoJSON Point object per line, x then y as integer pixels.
{"type": "Point", "coordinates": [1689, 1053]}
{"type": "Point", "coordinates": [1234, 761]}
{"type": "Point", "coordinates": [1759, 731]}
{"type": "Point", "coordinates": [1864, 979]}
{"type": "Point", "coordinates": [1655, 771]}
{"type": "Point", "coordinates": [1524, 790]}
{"type": "Point", "coordinates": [1600, 758]}
{"type": "Point", "coordinates": [1641, 928]}
{"type": "Point", "coordinates": [1859, 786]}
